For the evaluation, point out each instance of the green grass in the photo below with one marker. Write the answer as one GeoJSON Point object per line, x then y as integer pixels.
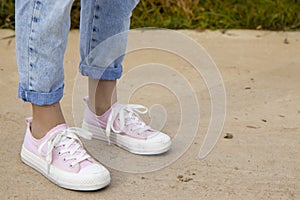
{"type": "Point", "coordinates": [197, 14]}
{"type": "Point", "coordinates": [7, 19]}
{"type": "Point", "coordinates": [218, 14]}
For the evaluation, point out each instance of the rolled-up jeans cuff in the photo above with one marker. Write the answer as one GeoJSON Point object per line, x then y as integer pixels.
{"type": "Point", "coordinates": [101, 73]}
{"type": "Point", "coordinates": [40, 98]}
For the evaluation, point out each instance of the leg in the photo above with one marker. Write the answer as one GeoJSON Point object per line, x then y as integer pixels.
{"type": "Point", "coordinates": [41, 36]}
{"type": "Point", "coordinates": [42, 30]}
{"type": "Point", "coordinates": [45, 118]}
{"type": "Point", "coordinates": [103, 44]}
{"type": "Point", "coordinates": [102, 95]}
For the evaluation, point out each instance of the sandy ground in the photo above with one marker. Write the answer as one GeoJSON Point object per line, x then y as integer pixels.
{"type": "Point", "coordinates": [261, 72]}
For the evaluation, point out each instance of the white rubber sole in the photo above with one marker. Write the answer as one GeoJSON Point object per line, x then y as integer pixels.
{"type": "Point", "coordinates": [65, 179]}
{"type": "Point", "coordinates": [133, 145]}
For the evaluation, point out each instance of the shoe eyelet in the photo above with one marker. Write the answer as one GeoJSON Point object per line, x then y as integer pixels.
{"type": "Point", "coordinates": [59, 153]}
{"type": "Point", "coordinates": [71, 166]}
{"type": "Point", "coordinates": [65, 160]}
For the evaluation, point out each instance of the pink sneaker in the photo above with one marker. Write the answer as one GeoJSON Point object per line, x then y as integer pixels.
{"type": "Point", "coordinates": [60, 157]}
{"type": "Point", "coordinates": [122, 126]}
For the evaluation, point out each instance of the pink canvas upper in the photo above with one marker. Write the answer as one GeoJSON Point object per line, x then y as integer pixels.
{"type": "Point", "coordinates": [32, 144]}
{"type": "Point", "coordinates": [93, 119]}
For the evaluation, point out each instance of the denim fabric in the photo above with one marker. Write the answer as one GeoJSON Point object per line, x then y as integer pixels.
{"type": "Point", "coordinates": [42, 28]}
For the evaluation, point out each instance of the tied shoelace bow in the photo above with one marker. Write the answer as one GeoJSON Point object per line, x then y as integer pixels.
{"type": "Point", "coordinates": [71, 143]}
{"type": "Point", "coordinates": [127, 115]}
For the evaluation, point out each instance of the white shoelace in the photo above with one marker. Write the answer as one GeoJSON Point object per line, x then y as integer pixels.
{"type": "Point", "coordinates": [128, 115]}
{"type": "Point", "coordinates": [66, 138]}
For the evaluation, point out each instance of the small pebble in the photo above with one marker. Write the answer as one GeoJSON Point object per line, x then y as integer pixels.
{"type": "Point", "coordinates": [179, 176]}
{"type": "Point", "coordinates": [228, 136]}
{"type": "Point", "coordinates": [264, 120]}
{"type": "Point", "coordinates": [286, 41]}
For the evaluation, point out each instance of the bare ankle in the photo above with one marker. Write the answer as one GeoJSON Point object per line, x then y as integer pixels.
{"type": "Point", "coordinates": [101, 110]}
{"type": "Point", "coordinates": [45, 118]}
{"type": "Point", "coordinates": [37, 130]}
{"type": "Point", "coordinates": [102, 95]}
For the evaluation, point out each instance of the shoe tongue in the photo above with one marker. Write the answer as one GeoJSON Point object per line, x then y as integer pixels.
{"type": "Point", "coordinates": [62, 127]}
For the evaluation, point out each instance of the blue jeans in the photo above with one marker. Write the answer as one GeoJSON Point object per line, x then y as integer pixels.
{"type": "Point", "coordinates": [42, 28]}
